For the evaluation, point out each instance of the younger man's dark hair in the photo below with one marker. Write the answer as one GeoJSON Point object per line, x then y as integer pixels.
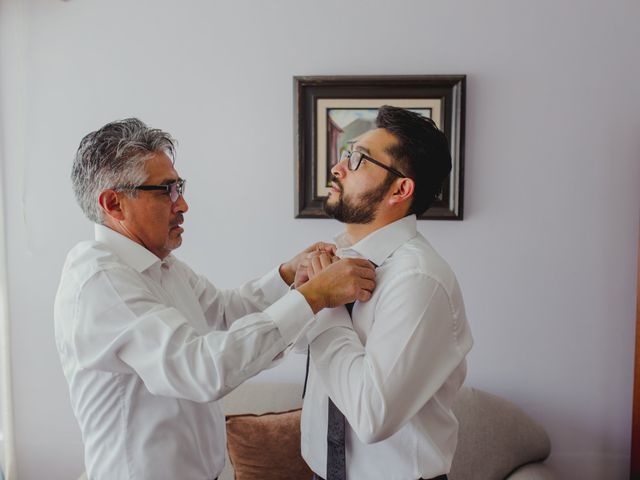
{"type": "Point", "coordinates": [422, 152]}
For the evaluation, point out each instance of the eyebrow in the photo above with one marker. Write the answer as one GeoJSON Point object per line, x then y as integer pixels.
{"type": "Point", "coordinates": [362, 149]}
{"type": "Point", "coordinates": [167, 181]}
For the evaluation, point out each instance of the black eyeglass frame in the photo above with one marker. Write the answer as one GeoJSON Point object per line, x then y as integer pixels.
{"type": "Point", "coordinates": [349, 154]}
{"type": "Point", "coordinates": [179, 188]}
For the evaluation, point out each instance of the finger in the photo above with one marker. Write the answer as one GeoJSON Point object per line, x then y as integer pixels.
{"type": "Point", "coordinates": [302, 270]}
{"type": "Point", "coordinates": [326, 247]}
{"type": "Point", "coordinates": [300, 280]}
{"type": "Point", "coordinates": [368, 285]}
{"type": "Point", "coordinates": [307, 274]}
{"type": "Point", "coordinates": [315, 264]}
{"type": "Point", "coordinates": [315, 253]}
{"type": "Point", "coordinates": [364, 272]}
{"type": "Point", "coordinates": [363, 295]}
{"type": "Point", "coordinates": [311, 273]}
{"type": "Point", "coordinates": [325, 260]}
{"type": "Point", "coordinates": [361, 262]}
{"type": "Point", "coordinates": [319, 246]}
{"type": "Point", "coordinates": [312, 247]}
{"type": "Point", "coordinates": [331, 248]}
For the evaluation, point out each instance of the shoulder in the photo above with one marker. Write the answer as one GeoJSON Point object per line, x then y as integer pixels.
{"type": "Point", "coordinates": [87, 259]}
{"type": "Point", "coordinates": [416, 258]}
{"type": "Point", "coordinates": [82, 282]}
{"type": "Point", "coordinates": [416, 276]}
{"type": "Point", "coordinates": [194, 279]}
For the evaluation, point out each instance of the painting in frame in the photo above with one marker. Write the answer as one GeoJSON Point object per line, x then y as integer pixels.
{"type": "Point", "coordinates": [332, 111]}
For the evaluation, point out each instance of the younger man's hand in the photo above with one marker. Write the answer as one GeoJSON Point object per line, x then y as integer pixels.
{"type": "Point", "coordinates": [288, 270]}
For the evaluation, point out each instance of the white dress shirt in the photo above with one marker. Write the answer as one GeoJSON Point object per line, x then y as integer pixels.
{"type": "Point", "coordinates": [143, 349]}
{"type": "Point", "coordinates": [394, 368]}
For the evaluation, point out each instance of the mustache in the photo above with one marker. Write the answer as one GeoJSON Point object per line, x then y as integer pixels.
{"type": "Point", "coordinates": [337, 182]}
{"type": "Point", "coordinates": [177, 221]}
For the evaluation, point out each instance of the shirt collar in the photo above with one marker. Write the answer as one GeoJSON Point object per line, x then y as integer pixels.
{"type": "Point", "coordinates": [380, 244]}
{"type": "Point", "coordinates": [130, 252]}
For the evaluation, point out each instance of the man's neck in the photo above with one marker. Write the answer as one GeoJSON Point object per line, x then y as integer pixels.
{"type": "Point", "coordinates": [124, 231]}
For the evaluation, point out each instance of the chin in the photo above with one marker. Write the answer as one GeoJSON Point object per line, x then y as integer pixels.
{"type": "Point", "coordinates": [332, 200]}
{"type": "Point", "coordinates": [175, 243]}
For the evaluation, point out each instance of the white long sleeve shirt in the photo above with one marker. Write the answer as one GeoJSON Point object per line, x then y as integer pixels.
{"type": "Point", "coordinates": [394, 368]}
{"type": "Point", "coordinates": [148, 346]}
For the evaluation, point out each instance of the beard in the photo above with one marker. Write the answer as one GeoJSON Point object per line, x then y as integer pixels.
{"type": "Point", "coordinates": [361, 210]}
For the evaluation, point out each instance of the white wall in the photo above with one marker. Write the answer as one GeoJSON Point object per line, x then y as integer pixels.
{"type": "Point", "coordinates": [546, 255]}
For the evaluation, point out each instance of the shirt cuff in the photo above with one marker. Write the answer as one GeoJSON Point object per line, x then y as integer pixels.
{"type": "Point", "coordinates": [273, 285]}
{"type": "Point", "coordinates": [329, 318]}
{"type": "Point", "coordinates": [291, 314]}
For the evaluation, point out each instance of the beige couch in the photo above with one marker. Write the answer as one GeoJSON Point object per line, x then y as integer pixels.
{"type": "Point", "coordinates": [497, 440]}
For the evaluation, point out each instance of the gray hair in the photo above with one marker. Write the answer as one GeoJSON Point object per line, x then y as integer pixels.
{"type": "Point", "coordinates": [114, 158]}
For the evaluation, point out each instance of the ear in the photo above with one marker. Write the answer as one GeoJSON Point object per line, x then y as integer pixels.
{"type": "Point", "coordinates": [110, 203]}
{"type": "Point", "coordinates": [402, 191]}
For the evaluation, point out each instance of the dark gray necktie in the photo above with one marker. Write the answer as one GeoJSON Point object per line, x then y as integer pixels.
{"type": "Point", "coordinates": [336, 423]}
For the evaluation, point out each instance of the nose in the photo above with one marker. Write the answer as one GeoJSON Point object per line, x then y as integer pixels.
{"type": "Point", "coordinates": [180, 205]}
{"type": "Point", "coordinates": [339, 169]}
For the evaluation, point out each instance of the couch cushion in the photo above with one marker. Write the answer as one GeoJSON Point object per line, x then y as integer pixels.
{"type": "Point", "coordinates": [266, 446]}
{"type": "Point", "coordinates": [495, 437]}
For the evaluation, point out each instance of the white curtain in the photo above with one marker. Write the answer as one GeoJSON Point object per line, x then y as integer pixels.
{"type": "Point", "coordinates": [13, 36]}
{"type": "Point", "coordinates": [6, 401]}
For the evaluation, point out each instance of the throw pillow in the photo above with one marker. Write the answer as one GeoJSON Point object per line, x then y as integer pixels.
{"type": "Point", "coordinates": [266, 447]}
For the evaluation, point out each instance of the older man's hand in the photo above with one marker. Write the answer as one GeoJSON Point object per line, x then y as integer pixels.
{"type": "Point", "coordinates": [339, 282]}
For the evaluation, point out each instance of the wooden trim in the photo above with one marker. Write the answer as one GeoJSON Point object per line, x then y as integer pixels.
{"type": "Point", "coordinates": [635, 431]}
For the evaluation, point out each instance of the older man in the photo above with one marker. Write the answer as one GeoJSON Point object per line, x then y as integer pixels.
{"type": "Point", "coordinates": [383, 375]}
{"type": "Point", "coordinates": [146, 344]}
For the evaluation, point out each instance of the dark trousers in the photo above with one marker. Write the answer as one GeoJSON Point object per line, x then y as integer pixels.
{"type": "Point", "coordinates": [439, 477]}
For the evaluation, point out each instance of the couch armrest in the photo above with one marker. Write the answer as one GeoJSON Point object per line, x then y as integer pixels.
{"type": "Point", "coordinates": [495, 437]}
{"type": "Point", "coordinates": [532, 471]}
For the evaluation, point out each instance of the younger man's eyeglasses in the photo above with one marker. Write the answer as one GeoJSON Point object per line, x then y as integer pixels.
{"type": "Point", "coordinates": [173, 189]}
{"type": "Point", "coordinates": [354, 159]}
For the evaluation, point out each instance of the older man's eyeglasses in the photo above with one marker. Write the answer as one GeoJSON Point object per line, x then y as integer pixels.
{"type": "Point", "coordinates": [173, 189]}
{"type": "Point", "coordinates": [355, 157]}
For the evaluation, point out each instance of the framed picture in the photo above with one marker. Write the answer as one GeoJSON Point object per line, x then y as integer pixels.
{"type": "Point", "coordinates": [332, 111]}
